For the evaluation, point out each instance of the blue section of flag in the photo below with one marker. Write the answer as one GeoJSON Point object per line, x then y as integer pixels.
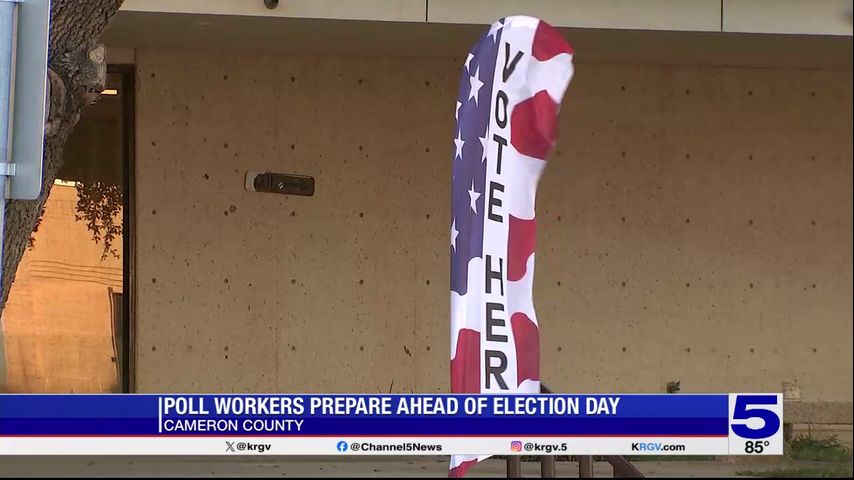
{"type": "Point", "coordinates": [469, 166]}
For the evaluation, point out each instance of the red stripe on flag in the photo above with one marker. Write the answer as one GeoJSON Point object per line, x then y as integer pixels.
{"type": "Point", "coordinates": [533, 125]}
{"type": "Point", "coordinates": [521, 240]}
{"type": "Point", "coordinates": [527, 337]}
{"type": "Point", "coordinates": [548, 43]}
{"type": "Point", "coordinates": [465, 366]}
{"type": "Point", "coordinates": [460, 470]}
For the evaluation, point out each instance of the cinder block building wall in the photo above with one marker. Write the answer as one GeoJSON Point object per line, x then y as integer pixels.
{"type": "Point", "coordinates": [695, 226]}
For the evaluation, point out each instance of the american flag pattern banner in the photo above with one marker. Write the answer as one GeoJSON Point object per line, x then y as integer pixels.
{"type": "Point", "coordinates": [511, 88]}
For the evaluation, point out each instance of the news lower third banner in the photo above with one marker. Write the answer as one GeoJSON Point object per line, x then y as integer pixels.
{"type": "Point", "coordinates": [734, 424]}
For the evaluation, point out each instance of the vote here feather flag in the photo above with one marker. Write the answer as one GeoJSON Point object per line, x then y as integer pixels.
{"type": "Point", "coordinates": [511, 87]}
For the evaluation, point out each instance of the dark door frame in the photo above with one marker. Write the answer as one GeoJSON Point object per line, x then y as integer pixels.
{"type": "Point", "coordinates": [128, 95]}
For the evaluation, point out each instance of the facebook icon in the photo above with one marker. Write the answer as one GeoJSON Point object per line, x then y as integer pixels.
{"type": "Point", "coordinates": [342, 446]}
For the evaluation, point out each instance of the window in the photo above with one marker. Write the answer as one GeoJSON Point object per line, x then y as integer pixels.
{"type": "Point", "coordinates": [65, 327]}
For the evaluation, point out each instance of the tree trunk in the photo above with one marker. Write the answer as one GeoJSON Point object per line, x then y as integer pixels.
{"type": "Point", "coordinates": [76, 75]}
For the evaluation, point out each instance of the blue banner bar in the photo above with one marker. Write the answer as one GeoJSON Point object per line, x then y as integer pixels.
{"type": "Point", "coordinates": [366, 415]}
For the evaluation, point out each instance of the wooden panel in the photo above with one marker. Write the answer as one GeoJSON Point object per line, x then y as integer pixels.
{"type": "Point", "coordinates": [391, 10]}
{"type": "Point", "coordinates": [816, 17]}
{"type": "Point", "coordinates": [696, 15]}
{"type": "Point", "coordinates": [300, 36]}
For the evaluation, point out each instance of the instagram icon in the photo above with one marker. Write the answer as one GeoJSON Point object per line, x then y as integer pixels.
{"type": "Point", "coordinates": [516, 446]}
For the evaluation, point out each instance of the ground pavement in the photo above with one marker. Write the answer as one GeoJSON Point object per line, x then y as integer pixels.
{"type": "Point", "coordinates": [233, 466]}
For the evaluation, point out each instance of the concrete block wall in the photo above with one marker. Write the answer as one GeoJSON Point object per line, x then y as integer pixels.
{"type": "Point", "coordinates": [695, 226]}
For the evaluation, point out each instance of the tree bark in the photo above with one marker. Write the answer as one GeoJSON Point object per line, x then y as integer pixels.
{"type": "Point", "coordinates": [76, 75]}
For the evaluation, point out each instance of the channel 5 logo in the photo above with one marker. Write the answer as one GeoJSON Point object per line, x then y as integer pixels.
{"type": "Point", "coordinates": [516, 446]}
{"type": "Point", "coordinates": [755, 416]}
{"type": "Point", "coordinates": [755, 424]}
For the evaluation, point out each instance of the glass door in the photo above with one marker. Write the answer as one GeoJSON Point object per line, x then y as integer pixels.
{"type": "Point", "coordinates": [66, 323]}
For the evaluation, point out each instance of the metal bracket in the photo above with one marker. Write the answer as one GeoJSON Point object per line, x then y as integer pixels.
{"type": "Point", "coordinates": [279, 183]}
{"type": "Point", "coordinates": [28, 103]}
{"type": "Point", "coordinates": [7, 169]}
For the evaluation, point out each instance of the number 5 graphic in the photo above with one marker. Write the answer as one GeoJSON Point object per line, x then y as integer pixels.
{"type": "Point", "coordinates": [745, 409]}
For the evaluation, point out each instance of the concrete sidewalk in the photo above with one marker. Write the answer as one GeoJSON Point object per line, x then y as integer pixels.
{"type": "Point", "coordinates": [335, 467]}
